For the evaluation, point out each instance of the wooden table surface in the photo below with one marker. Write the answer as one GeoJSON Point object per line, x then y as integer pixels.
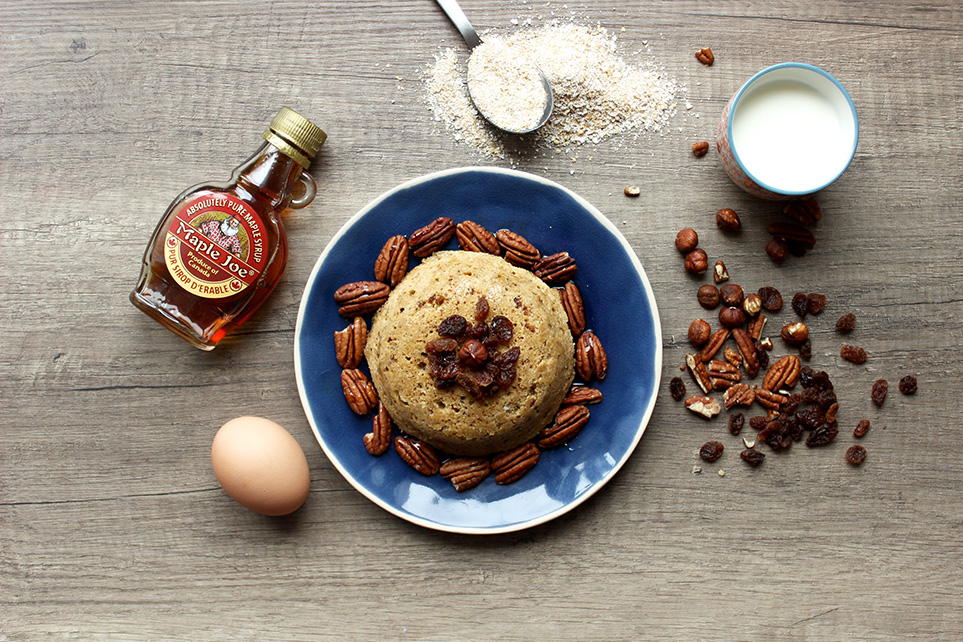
{"type": "Point", "coordinates": [112, 525]}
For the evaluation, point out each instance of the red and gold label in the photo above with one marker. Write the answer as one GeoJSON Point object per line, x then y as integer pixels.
{"type": "Point", "coordinates": [216, 246]}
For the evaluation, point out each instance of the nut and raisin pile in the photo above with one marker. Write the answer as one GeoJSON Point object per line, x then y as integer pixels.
{"type": "Point", "coordinates": [790, 415]}
{"type": "Point", "coordinates": [467, 353]}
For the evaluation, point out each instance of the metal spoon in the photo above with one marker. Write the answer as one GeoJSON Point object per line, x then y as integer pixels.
{"type": "Point", "coordinates": [457, 17]}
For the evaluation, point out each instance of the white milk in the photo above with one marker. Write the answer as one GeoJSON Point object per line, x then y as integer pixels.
{"type": "Point", "coordinates": [791, 137]}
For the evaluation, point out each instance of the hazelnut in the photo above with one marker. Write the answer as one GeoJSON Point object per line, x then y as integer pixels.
{"type": "Point", "coordinates": [795, 333]}
{"type": "Point", "coordinates": [686, 240]}
{"type": "Point", "coordinates": [731, 294]}
{"type": "Point", "coordinates": [752, 304]}
{"type": "Point", "coordinates": [708, 296]}
{"type": "Point", "coordinates": [696, 262]}
{"type": "Point", "coordinates": [728, 220]}
{"type": "Point", "coordinates": [777, 249]}
{"type": "Point", "coordinates": [699, 332]}
{"type": "Point", "coordinates": [732, 317]}
{"type": "Point", "coordinates": [720, 273]}
{"type": "Point", "coordinates": [473, 352]}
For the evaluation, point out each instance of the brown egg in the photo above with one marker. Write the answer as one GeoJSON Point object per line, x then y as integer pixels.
{"type": "Point", "coordinates": [260, 465]}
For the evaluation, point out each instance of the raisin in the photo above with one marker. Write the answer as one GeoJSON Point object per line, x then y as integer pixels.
{"type": "Point", "coordinates": [799, 304]}
{"type": "Point", "coordinates": [481, 310]}
{"type": "Point", "coordinates": [846, 322]}
{"type": "Point", "coordinates": [791, 405]}
{"type": "Point", "coordinates": [453, 326]}
{"type": "Point", "coordinates": [856, 455]}
{"type": "Point", "coordinates": [480, 331]}
{"type": "Point", "coordinates": [483, 378]}
{"type": "Point", "coordinates": [817, 379]}
{"type": "Point", "coordinates": [508, 358]}
{"type": "Point", "coordinates": [815, 302]}
{"type": "Point", "coordinates": [736, 422]}
{"type": "Point", "coordinates": [880, 388]}
{"type": "Point", "coordinates": [806, 350]}
{"type": "Point", "coordinates": [505, 377]}
{"type": "Point", "coordinates": [752, 457]}
{"type": "Point", "coordinates": [907, 385]}
{"type": "Point", "coordinates": [771, 299]}
{"type": "Point", "coordinates": [795, 429]}
{"type": "Point", "coordinates": [502, 329]}
{"type": "Point", "coordinates": [810, 418]}
{"type": "Point", "coordinates": [853, 354]}
{"type": "Point", "coordinates": [442, 344]}
{"type": "Point", "coordinates": [677, 388]}
{"type": "Point", "coordinates": [758, 422]}
{"type": "Point", "coordinates": [822, 436]}
{"type": "Point", "coordinates": [861, 429]}
{"type": "Point", "coordinates": [711, 451]}
{"type": "Point", "coordinates": [469, 383]}
{"type": "Point", "coordinates": [826, 399]}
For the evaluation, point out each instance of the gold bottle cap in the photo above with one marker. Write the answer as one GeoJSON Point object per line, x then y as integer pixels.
{"type": "Point", "coordinates": [295, 136]}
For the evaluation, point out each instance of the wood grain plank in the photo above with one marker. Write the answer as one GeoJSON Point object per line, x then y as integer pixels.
{"type": "Point", "coordinates": [112, 525]}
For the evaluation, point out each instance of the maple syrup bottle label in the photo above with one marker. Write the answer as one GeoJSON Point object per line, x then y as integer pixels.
{"type": "Point", "coordinates": [216, 246]}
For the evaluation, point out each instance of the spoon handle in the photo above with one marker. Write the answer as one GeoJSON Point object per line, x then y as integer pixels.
{"type": "Point", "coordinates": [458, 18]}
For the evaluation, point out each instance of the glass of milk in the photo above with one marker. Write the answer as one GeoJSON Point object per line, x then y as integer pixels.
{"type": "Point", "coordinates": [790, 130]}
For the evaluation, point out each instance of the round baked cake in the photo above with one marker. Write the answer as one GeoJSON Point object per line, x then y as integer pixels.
{"type": "Point", "coordinates": [450, 417]}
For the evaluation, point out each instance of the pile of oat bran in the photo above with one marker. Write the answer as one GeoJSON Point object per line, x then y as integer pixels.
{"type": "Point", "coordinates": [597, 93]}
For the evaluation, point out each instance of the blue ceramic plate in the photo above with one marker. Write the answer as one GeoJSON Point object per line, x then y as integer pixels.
{"type": "Point", "coordinates": [619, 307]}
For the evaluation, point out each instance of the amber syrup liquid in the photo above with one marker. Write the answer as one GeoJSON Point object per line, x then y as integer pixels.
{"type": "Point", "coordinates": [264, 182]}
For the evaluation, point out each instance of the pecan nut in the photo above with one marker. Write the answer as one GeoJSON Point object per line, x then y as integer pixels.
{"type": "Point", "coordinates": [590, 358]}
{"type": "Point", "coordinates": [378, 440]}
{"type": "Point", "coordinates": [756, 325]}
{"type": "Point", "coordinates": [392, 262]}
{"type": "Point", "coordinates": [518, 251]}
{"type": "Point", "coordinates": [466, 472]}
{"type": "Point", "coordinates": [555, 268]}
{"type": "Point", "coordinates": [739, 394]}
{"type": "Point", "coordinates": [705, 56]}
{"type": "Point", "coordinates": [358, 391]}
{"type": "Point", "coordinates": [425, 240]}
{"type": "Point", "coordinates": [361, 297]}
{"type": "Point", "coordinates": [792, 232]}
{"type": "Point", "coordinates": [582, 395]}
{"type": "Point", "coordinates": [722, 374]}
{"type": "Point", "coordinates": [733, 357]}
{"type": "Point", "coordinates": [574, 308]}
{"type": "Point", "coordinates": [805, 210]}
{"type": "Point", "coordinates": [700, 148]}
{"type": "Point", "coordinates": [748, 349]}
{"type": "Point", "coordinates": [568, 423]}
{"type": "Point", "coordinates": [418, 455]}
{"type": "Point", "coordinates": [705, 406]}
{"type": "Point", "coordinates": [715, 342]}
{"type": "Point", "coordinates": [472, 237]}
{"type": "Point", "coordinates": [511, 465]}
{"type": "Point", "coordinates": [349, 343]}
{"type": "Point", "coordinates": [770, 400]}
{"type": "Point", "coordinates": [785, 372]}
{"type": "Point", "coordinates": [698, 371]}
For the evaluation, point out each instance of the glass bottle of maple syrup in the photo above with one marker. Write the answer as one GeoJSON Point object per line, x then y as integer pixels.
{"type": "Point", "coordinates": [219, 250]}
